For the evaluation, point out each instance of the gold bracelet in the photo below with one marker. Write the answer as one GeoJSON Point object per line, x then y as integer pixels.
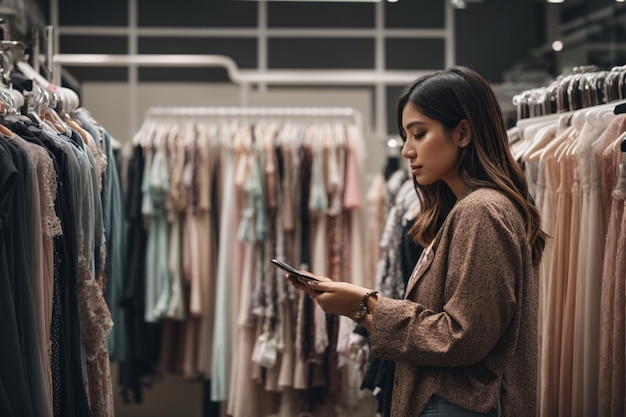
{"type": "Point", "coordinates": [363, 310]}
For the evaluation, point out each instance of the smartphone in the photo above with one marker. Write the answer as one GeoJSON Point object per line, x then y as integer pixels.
{"type": "Point", "coordinates": [293, 271]}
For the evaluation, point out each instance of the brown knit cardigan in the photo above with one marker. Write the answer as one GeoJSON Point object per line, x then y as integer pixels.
{"type": "Point", "coordinates": [467, 328]}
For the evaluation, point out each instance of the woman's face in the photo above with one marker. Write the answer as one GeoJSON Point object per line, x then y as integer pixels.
{"type": "Point", "coordinates": [432, 151]}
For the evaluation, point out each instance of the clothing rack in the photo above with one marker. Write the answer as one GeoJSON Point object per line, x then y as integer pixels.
{"type": "Point", "coordinates": [570, 139]}
{"type": "Point", "coordinates": [266, 182]}
{"type": "Point", "coordinates": [64, 156]}
{"type": "Point", "coordinates": [335, 113]}
{"type": "Point", "coordinates": [252, 111]}
{"type": "Point", "coordinates": [586, 86]}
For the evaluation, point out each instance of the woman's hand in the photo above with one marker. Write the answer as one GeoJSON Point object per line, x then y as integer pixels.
{"type": "Point", "coordinates": [340, 298]}
{"type": "Point", "coordinates": [301, 284]}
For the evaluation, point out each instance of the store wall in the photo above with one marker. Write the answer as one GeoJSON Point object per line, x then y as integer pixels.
{"type": "Point", "coordinates": [490, 36]}
{"type": "Point", "coordinates": [109, 102]}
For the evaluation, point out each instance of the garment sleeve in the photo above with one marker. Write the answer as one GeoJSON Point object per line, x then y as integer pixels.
{"type": "Point", "coordinates": [8, 176]}
{"type": "Point", "coordinates": [483, 264]}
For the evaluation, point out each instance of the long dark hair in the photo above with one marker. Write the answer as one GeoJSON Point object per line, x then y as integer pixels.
{"type": "Point", "coordinates": [450, 96]}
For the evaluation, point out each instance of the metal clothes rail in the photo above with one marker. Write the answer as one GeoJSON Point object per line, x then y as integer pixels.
{"type": "Point", "coordinates": [246, 78]}
{"type": "Point", "coordinates": [345, 113]}
{"type": "Point", "coordinates": [239, 76]}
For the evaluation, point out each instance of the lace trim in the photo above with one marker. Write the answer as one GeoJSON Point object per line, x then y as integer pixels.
{"type": "Point", "coordinates": [99, 156]}
{"type": "Point", "coordinates": [96, 324]}
{"type": "Point", "coordinates": [95, 316]}
{"type": "Point", "coordinates": [51, 224]}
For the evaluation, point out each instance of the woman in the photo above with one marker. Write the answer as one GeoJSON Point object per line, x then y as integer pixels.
{"type": "Point", "coordinates": [464, 339]}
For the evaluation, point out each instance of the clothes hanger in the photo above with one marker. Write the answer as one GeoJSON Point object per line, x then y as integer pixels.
{"type": "Point", "coordinates": [543, 136]}
{"type": "Point", "coordinates": [579, 121]}
{"type": "Point", "coordinates": [37, 101]}
{"type": "Point", "coordinates": [568, 146]}
{"type": "Point", "coordinates": [615, 146]}
{"type": "Point", "coordinates": [8, 100]}
{"type": "Point", "coordinates": [3, 129]}
{"type": "Point", "coordinates": [620, 108]}
{"type": "Point", "coordinates": [622, 147]}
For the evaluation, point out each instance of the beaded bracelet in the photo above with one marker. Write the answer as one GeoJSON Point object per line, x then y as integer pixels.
{"type": "Point", "coordinates": [363, 310]}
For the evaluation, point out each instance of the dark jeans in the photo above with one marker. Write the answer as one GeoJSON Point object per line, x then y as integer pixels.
{"type": "Point", "coordinates": [438, 407]}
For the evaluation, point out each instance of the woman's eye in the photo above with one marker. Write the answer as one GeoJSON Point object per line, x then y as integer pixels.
{"type": "Point", "coordinates": [419, 135]}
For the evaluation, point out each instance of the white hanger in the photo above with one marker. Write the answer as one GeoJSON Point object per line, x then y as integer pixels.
{"type": "Point", "coordinates": [68, 96]}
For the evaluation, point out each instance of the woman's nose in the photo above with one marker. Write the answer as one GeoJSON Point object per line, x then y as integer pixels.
{"type": "Point", "coordinates": [408, 152]}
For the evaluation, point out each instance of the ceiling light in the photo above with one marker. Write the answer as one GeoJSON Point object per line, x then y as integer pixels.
{"type": "Point", "coordinates": [556, 1]}
{"type": "Point", "coordinates": [393, 142]}
{"type": "Point", "coordinates": [557, 46]}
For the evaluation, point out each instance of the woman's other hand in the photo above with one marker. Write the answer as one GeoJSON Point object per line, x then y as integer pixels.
{"type": "Point", "coordinates": [340, 298]}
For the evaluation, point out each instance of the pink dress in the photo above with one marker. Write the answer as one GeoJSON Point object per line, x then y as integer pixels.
{"type": "Point", "coordinates": [202, 215]}
{"type": "Point", "coordinates": [549, 296]}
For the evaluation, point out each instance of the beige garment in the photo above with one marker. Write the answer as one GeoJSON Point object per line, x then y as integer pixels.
{"type": "Point", "coordinates": [612, 381]}
{"type": "Point", "coordinates": [228, 269]}
{"type": "Point", "coordinates": [301, 370]}
{"type": "Point", "coordinates": [552, 297]}
{"type": "Point", "coordinates": [539, 200]}
{"type": "Point", "coordinates": [318, 230]}
{"type": "Point", "coordinates": [335, 163]}
{"type": "Point", "coordinates": [578, 384]}
{"type": "Point", "coordinates": [375, 225]}
{"type": "Point", "coordinates": [319, 261]}
{"type": "Point", "coordinates": [202, 221]}
{"type": "Point", "coordinates": [176, 201]}
{"type": "Point", "coordinates": [595, 236]}
{"type": "Point", "coordinates": [352, 203]}
{"type": "Point", "coordinates": [573, 276]}
{"type": "Point", "coordinates": [544, 150]}
{"type": "Point", "coordinates": [271, 166]}
{"type": "Point", "coordinates": [287, 148]}
{"type": "Point", "coordinates": [192, 324]}
{"type": "Point", "coordinates": [288, 355]}
{"type": "Point", "coordinates": [243, 390]}
{"type": "Point", "coordinates": [567, 232]}
{"type": "Point", "coordinates": [546, 202]}
{"type": "Point", "coordinates": [256, 402]}
{"type": "Point", "coordinates": [190, 348]}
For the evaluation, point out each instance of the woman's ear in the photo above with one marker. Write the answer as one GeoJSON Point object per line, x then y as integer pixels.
{"type": "Point", "coordinates": [465, 133]}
